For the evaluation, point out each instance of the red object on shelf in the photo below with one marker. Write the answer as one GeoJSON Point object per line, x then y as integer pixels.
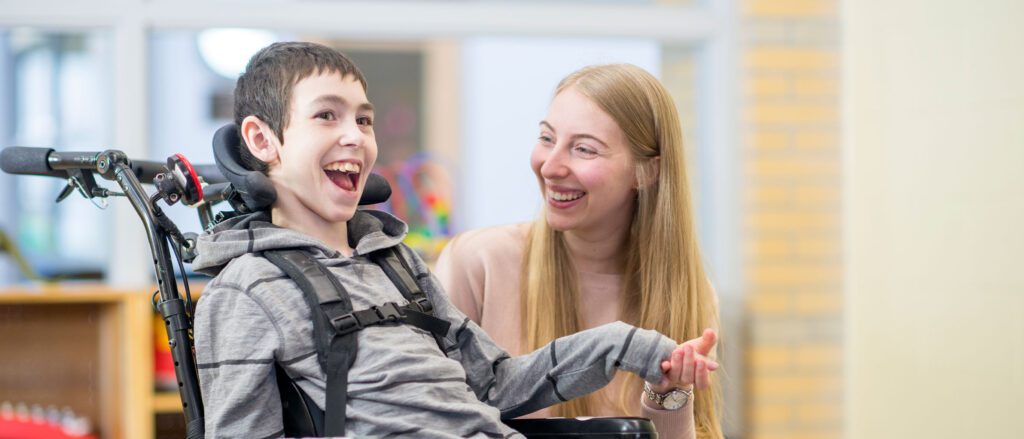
{"type": "Point", "coordinates": [15, 429]}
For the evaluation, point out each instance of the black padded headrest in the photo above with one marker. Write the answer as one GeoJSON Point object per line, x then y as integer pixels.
{"type": "Point", "coordinates": [255, 188]}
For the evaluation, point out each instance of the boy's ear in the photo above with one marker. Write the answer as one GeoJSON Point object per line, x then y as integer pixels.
{"type": "Point", "coordinates": [648, 172]}
{"type": "Point", "coordinates": [260, 139]}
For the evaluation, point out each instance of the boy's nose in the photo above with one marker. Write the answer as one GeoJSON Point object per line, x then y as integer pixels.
{"type": "Point", "coordinates": [351, 135]}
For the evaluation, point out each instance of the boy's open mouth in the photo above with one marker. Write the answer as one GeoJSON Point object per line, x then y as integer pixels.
{"type": "Point", "coordinates": [343, 174]}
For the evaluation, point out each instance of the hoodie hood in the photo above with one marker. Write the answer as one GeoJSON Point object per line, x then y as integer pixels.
{"type": "Point", "coordinates": [368, 231]}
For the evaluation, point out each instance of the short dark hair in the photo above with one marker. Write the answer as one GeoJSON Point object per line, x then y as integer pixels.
{"type": "Point", "coordinates": [265, 88]}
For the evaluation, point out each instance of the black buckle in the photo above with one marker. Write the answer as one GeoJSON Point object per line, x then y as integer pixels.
{"type": "Point", "coordinates": [389, 312]}
{"type": "Point", "coordinates": [346, 324]}
{"type": "Point", "coordinates": [424, 305]}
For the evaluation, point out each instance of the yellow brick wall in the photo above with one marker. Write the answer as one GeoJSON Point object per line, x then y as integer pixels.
{"type": "Point", "coordinates": [789, 70]}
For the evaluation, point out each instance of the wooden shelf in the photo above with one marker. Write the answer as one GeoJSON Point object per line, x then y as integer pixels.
{"type": "Point", "coordinates": [167, 402]}
{"type": "Point", "coordinates": [60, 293]}
{"type": "Point", "coordinates": [85, 346]}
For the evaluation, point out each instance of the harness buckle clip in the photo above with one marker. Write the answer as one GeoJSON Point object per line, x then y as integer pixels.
{"type": "Point", "coordinates": [346, 324]}
{"type": "Point", "coordinates": [389, 312]}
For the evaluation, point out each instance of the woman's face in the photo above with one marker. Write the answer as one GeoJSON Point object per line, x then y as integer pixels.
{"type": "Point", "coordinates": [584, 167]}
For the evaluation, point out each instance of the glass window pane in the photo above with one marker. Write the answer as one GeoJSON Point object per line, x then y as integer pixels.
{"type": "Point", "coordinates": [56, 92]}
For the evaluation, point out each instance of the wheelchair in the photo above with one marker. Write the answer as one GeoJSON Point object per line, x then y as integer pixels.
{"type": "Point", "coordinates": [245, 191]}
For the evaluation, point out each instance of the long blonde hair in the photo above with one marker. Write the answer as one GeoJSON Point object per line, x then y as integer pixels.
{"type": "Point", "coordinates": [663, 270]}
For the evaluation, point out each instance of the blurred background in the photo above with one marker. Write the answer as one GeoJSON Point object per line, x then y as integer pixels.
{"type": "Point", "coordinates": [856, 165]}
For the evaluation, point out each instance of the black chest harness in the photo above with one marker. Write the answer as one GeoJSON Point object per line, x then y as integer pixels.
{"type": "Point", "coordinates": [335, 325]}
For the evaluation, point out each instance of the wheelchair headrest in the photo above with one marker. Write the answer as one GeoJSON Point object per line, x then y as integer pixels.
{"type": "Point", "coordinates": [255, 188]}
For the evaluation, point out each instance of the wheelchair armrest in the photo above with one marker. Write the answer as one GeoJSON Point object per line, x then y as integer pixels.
{"type": "Point", "coordinates": [598, 427]}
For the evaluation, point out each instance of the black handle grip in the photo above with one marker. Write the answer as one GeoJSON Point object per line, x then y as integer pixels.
{"type": "Point", "coordinates": [24, 160]}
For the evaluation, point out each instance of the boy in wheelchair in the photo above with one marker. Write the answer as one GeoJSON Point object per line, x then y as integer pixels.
{"type": "Point", "coordinates": [398, 358]}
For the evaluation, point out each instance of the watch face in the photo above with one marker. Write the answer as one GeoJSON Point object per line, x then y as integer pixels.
{"type": "Point", "coordinates": [675, 400]}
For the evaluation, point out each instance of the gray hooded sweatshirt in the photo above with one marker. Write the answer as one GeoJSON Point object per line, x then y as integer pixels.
{"type": "Point", "coordinates": [251, 315]}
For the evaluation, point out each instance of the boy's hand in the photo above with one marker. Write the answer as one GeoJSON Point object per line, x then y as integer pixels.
{"type": "Point", "coordinates": [689, 367]}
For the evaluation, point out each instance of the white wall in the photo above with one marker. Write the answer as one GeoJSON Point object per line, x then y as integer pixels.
{"type": "Point", "coordinates": [508, 83]}
{"type": "Point", "coordinates": [934, 218]}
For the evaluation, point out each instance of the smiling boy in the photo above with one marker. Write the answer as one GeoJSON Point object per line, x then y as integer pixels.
{"type": "Point", "coordinates": [307, 123]}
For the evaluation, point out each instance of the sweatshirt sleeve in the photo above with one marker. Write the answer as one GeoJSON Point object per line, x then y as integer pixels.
{"type": "Point", "coordinates": [235, 346]}
{"type": "Point", "coordinates": [567, 368]}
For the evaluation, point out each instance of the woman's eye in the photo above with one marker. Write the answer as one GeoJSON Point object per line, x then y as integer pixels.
{"type": "Point", "coordinates": [545, 139]}
{"type": "Point", "coordinates": [325, 115]}
{"type": "Point", "coordinates": [365, 120]}
{"type": "Point", "coordinates": [585, 151]}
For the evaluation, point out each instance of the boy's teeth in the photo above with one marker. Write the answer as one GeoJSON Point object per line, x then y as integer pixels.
{"type": "Point", "coordinates": [343, 167]}
{"type": "Point", "coordinates": [563, 196]}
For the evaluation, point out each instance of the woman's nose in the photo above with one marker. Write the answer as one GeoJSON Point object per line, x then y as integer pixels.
{"type": "Point", "coordinates": [554, 165]}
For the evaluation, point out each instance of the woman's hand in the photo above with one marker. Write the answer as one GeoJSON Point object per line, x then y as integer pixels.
{"type": "Point", "coordinates": [689, 367]}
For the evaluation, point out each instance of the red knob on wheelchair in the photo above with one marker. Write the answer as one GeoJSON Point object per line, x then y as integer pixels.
{"type": "Point", "coordinates": [185, 178]}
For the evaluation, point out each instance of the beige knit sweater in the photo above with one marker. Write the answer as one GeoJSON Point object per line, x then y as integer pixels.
{"type": "Point", "coordinates": [480, 269]}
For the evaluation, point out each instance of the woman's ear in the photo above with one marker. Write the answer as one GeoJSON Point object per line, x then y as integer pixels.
{"type": "Point", "coordinates": [647, 173]}
{"type": "Point", "coordinates": [260, 139]}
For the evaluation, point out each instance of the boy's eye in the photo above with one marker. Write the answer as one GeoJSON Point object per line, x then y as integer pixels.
{"type": "Point", "coordinates": [325, 115]}
{"type": "Point", "coordinates": [365, 120]}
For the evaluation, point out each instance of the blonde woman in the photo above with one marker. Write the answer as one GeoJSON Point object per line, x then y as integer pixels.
{"type": "Point", "coordinates": [616, 241]}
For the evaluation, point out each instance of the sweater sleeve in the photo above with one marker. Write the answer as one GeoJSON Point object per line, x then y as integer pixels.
{"type": "Point", "coordinates": [670, 424]}
{"type": "Point", "coordinates": [235, 343]}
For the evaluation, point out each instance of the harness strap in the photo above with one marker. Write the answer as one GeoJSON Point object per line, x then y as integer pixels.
{"type": "Point", "coordinates": [336, 352]}
{"type": "Point", "coordinates": [335, 324]}
{"type": "Point", "coordinates": [428, 323]}
{"type": "Point", "coordinates": [398, 271]}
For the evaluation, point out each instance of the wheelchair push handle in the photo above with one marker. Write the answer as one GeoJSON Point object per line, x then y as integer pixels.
{"type": "Point", "coordinates": [47, 162]}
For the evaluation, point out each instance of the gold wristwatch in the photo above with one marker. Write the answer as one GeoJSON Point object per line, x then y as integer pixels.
{"type": "Point", "coordinates": [674, 399]}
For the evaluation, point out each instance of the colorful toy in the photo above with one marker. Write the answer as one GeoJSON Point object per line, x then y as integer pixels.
{"type": "Point", "coordinates": [421, 194]}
